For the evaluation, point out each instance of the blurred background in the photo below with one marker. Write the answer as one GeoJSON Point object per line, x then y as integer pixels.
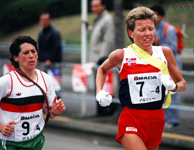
{"type": "Point", "coordinates": [22, 17]}
{"type": "Point", "coordinates": [19, 17]}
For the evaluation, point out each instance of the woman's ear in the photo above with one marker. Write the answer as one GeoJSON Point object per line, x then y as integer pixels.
{"type": "Point", "coordinates": [130, 33]}
{"type": "Point", "coordinates": [16, 58]}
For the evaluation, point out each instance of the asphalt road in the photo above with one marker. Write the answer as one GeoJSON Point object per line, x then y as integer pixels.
{"type": "Point", "coordinates": [60, 139]}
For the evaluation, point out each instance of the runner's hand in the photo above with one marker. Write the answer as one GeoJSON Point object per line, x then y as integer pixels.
{"type": "Point", "coordinates": [167, 81]}
{"type": "Point", "coordinates": [104, 98]}
{"type": "Point", "coordinates": [58, 106]}
{"type": "Point", "coordinates": [8, 129]}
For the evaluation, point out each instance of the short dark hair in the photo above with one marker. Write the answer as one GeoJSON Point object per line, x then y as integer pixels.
{"type": "Point", "coordinates": [45, 13]}
{"type": "Point", "coordinates": [15, 49]}
{"type": "Point", "coordinates": [159, 9]}
{"type": "Point", "coordinates": [103, 2]}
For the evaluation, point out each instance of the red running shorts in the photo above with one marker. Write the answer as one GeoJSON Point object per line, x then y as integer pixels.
{"type": "Point", "coordinates": [147, 124]}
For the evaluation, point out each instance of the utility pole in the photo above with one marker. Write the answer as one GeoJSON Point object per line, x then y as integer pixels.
{"type": "Point", "coordinates": [83, 48]}
{"type": "Point", "coordinates": [119, 23]}
{"type": "Point", "coordinates": [84, 32]}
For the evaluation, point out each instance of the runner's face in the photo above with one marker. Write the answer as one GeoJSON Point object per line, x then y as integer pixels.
{"type": "Point", "coordinates": [143, 34]}
{"type": "Point", "coordinates": [27, 57]}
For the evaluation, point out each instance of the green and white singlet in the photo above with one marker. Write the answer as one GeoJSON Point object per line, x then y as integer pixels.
{"type": "Point", "coordinates": [23, 103]}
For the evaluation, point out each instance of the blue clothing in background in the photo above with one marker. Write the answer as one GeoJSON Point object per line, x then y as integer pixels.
{"type": "Point", "coordinates": [49, 44]}
{"type": "Point", "coordinates": [171, 115]}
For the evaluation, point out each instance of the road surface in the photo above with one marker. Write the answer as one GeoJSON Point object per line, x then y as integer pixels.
{"type": "Point", "coordinates": [60, 139]}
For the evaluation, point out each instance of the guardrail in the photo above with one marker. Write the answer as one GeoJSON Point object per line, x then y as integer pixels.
{"type": "Point", "coordinates": [76, 48]}
{"type": "Point", "coordinates": [72, 54]}
{"type": "Point", "coordinates": [66, 48]}
{"type": "Point", "coordinates": [4, 46]}
{"type": "Point", "coordinates": [187, 96]}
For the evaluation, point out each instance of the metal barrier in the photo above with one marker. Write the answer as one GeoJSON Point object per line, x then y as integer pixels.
{"type": "Point", "coordinates": [66, 48]}
{"type": "Point", "coordinates": [187, 101]}
{"type": "Point", "coordinates": [187, 97]}
{"type": "Point", "coordinates": [76, 49]}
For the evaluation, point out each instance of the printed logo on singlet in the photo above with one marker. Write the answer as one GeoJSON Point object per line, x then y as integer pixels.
{"type": "Point", "coordinates": [29, 117]}
{"type": "Point", "coordinates": [145, 77]}
{"type": "Point", "coordinates": [18, 94]}
{"type": "Point", "coordinates": [130, 61]}
{"type": "Point", "coordinates": [131, 129]}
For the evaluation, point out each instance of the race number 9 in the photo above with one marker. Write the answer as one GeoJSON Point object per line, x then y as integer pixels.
{"type": "Point", "coordinates": [26, 125]}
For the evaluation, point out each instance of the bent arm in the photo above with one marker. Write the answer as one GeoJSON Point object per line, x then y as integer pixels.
{"type": "Point", "coordinates": [114, 60]}
{"type": "Point", "coordinates": [174, 70]}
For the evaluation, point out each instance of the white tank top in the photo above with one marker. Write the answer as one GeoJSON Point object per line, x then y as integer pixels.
{"type": "Point", "coordinates": [24, 105]}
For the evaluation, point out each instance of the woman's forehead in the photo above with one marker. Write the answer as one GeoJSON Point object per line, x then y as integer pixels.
{"type": "Point", "coordinates": [27, 46]}
{"type": "Point", "coordinates": [144, 22]}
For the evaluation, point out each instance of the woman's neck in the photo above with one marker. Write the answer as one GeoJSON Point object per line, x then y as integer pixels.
{"type": "Point", "coordinates": [147, 49]}
{"type": "Point", "coordinates": [31, 74]}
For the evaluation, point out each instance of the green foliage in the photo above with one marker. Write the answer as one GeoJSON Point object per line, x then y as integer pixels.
{"type": "Point", "coordinates": [64, 7]}
{"type": "Point", "coordinates": [130, 3]}
{"type": "Point", "coordinates": [17, 14]}
{"type": "Point", "coordinates": [70, 25]}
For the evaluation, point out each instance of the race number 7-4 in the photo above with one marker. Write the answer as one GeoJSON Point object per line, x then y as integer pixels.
{"type": "Point", "coordinates": [157, 90]}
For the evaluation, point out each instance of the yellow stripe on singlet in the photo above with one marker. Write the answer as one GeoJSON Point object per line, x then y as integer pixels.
{"type": "Point", "coordinates": [143, 55]}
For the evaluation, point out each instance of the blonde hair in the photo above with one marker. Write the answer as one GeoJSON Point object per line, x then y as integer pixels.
{"type": "Point", "coordinates": [139, 13]}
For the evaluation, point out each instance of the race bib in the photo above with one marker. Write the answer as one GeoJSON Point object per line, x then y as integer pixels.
{"type": "Point", "coordinates": [28, 126]}
{"type": "Point", "coordinates": [145, 88]}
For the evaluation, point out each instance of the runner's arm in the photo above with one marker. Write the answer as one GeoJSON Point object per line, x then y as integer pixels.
{"type": "Point", "coordinates": [174, 70]}
{"type": "Point", "coordinates": [114, 60]}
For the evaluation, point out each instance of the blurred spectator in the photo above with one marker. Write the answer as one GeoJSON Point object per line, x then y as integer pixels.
{"type": "Point", "coordinates": [49, 42]}
{"type": "Point", "coordinates": [103, 32]}
{"type": "Point", "coordinates": [50, 49]}
{"type": "Point", "coordinates": [102, 42]}
{"type": "Point", "coordinates": [170, 40]}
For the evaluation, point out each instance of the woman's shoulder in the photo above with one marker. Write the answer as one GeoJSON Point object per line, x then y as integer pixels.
{"type": "Point", "coordinates": [6, 79]}
{"type": "Point", "coordinates": [42, 73]}
{"type": "Point", "coordinates": [117, 54]}
{"type": "Point", "coordinates": [6, 76]}
{"type": "Point", "coordinates": [167, 52]}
